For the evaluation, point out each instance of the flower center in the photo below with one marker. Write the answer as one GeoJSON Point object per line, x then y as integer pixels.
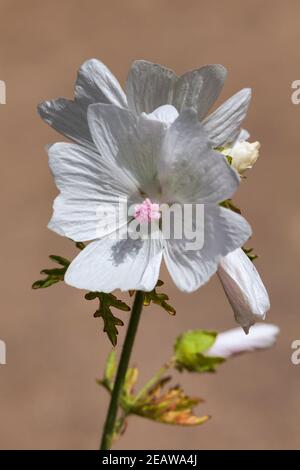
{"type": "Point", "coordinates": [147, 211]}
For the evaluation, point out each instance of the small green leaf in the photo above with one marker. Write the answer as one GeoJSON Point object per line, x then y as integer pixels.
{"type": "Point", "coordinates": [110, 324]}
{"type": "Point", "coordinates": [55, 272]}
{"type": "Point", "coordinates": [43, 283]}
{"type": "Point", "coordinates": [111, 366]}
{"type": "Point", "coordinates": [228, 204]}
{"type": "Point", "coordinates": [189, 348]}
{"type": "Point", "coordinates": [80, 245]}
{"type": "Point", "coordinates": [53, 275]}
{"type": "Point", "coordinates": [169, 407]}
{"type": "Point", "coordinates": [249, 252]}
{"type": "Point", "coordinates": [60, 260]}
{"type": "Point", "coordinates": [229, 159]}
{"type": "Point", "coordinates": [130, 381]}
{"type": "Point", "coordinates": [106, 301]}
{"type": "Point", "coordinates": [109, 372]}
{"type": "Point", "coordinates": [159, 299]}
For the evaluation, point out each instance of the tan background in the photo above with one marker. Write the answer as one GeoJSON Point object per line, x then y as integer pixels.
{"type": "Point", "coordinates": [55, 349]}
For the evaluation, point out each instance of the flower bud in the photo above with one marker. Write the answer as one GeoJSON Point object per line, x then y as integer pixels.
{"type": "Point", "coordinates": [244, 288]}
{"type": "Point", "coordinates": [244, 154]}
{"type": "Point", "coordinates": [233, 342]}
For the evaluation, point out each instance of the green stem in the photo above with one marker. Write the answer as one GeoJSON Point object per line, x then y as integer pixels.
{"type": "Point", "coordinates": [110, 422]}
{"type": "Point", "coordinates": [153, 381]}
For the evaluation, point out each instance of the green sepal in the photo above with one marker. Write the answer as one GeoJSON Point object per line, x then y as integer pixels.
{"type": "Point", "coordinates": [207, 363]}
{"type": "Point", "coordinates": [189, 348]}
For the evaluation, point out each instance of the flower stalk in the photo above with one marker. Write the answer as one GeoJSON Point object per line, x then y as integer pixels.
{"type": "Point", "coordinates": [109, 427]}
{"type": "Point", "coordinates": [155, 379]}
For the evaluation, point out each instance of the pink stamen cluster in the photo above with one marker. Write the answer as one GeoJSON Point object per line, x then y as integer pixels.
{"type": "Point", "coordinates": [147, 211]}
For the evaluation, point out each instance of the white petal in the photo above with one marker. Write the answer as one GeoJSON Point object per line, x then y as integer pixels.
{"type": "Point", "coordinates": [224, 231]}
{"type": "Point", "coordinates": [95, 84]}
{"type": "Point", "coordinates": [68, 118]}
{"type": "Point", "coordinates": [244, 288]}
{"type": "Point", "coordinates": [189, 170]}
{"type": "Point", "coordinates": [129, 142]}
{"type": "Point", "coordinates": [199, 89]}
{"type": "Point", "coordinates": [243, 135]}
{"type": "Point", "coordinates": [149, 86]}
{"type": "Point", "coordinates": [166, 114]}
{"type": "Point", "coordinates": [233, 342]}
{"type": "Point", "coordinates": [107, 264]}
{"type": "Point", "coordinates": [90, 193]}
{"type": "Point", "coordinates": [223, 125]}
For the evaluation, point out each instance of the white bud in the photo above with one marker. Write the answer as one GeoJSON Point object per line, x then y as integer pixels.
{"type": "Point", "coordinates": [244, 288]}
{"type": "Point", "coordinates": [244, 154]}
{"type": "Point", "coordinates": [233, 342]}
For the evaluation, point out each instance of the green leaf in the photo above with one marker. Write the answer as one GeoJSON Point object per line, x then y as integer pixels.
{"type": "Point", "coordinates": [106, 301]}
{"type": "Point", "coordinates": [111, 366]}
{"type": "Point", "coordinates": [249, 252]}
{"type": "Point", "coordinates": [188, 350]}
{"type": "Point", "coordinates": [53, 275]}
{"type": "Point", "coordinates": [159, 298]}
{"type": "Point", "coordinates": [55, 272]}
{"type": "Point", "coordinates": [80, 245]}
{"type": "Point", "coordinates": [109, 372]}
{"type": "Point", "coordinates": [169, 407]}
{"type": "Point", "coordinates": [60, 260]}
{"type": "Point", "coordinates": [43, 283]}
{"type": "Point", "coordinates": [222, 149]}
{"type": "Point", "coordinates": [130, 382]}
{"type": "Point", "coordinates": [228, 204]}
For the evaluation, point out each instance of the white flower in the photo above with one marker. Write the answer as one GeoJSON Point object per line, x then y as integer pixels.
{"type": "Point", "coordinates": [234, 342]}
{"type": "Point", "coordinates": [244, 288]}
{"type": "Point", "coordinates": [243, 154]}
{"type": "Point", "coordinates": [145, 159]}
{"type": "Point", "coordinates": [148, 87]}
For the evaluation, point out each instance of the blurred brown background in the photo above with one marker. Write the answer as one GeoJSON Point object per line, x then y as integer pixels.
{"type": "Point", "coordinates": [55, 348]}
